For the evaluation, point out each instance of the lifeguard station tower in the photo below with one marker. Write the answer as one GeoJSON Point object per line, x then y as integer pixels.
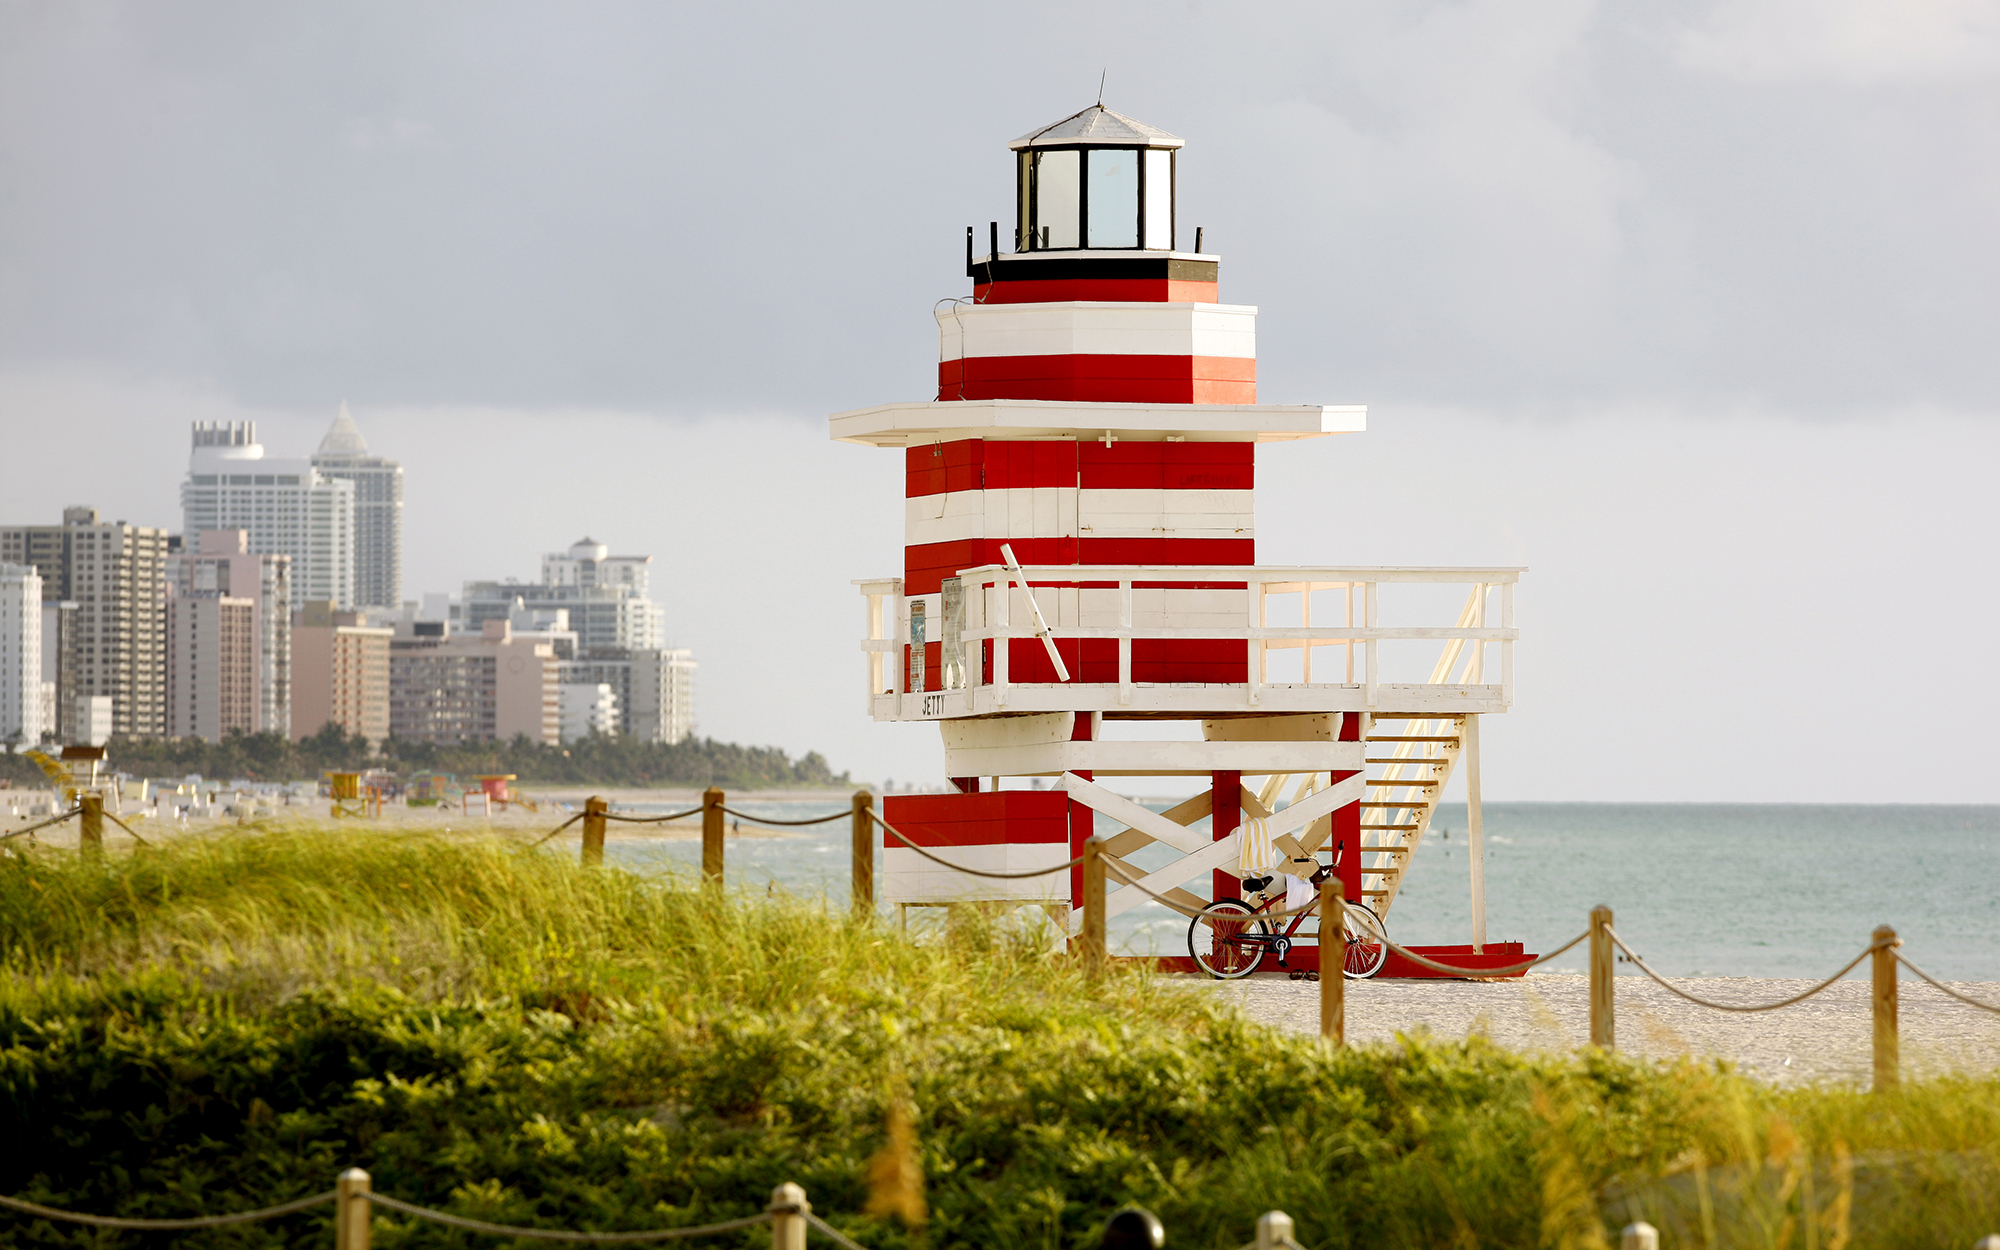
{"type": "Point", "coordinates": [1080, 551]}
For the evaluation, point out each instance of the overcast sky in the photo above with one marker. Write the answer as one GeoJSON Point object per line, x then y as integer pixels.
{"type": "Point", "coordinates": [1693, 311]}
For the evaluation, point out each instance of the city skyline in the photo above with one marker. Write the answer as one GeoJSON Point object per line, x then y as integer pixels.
{"type": "Point", "coordinates": [111, 628]}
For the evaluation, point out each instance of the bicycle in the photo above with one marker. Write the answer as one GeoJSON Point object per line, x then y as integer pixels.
{"type": "Point", "coordinates": [1226, 948]}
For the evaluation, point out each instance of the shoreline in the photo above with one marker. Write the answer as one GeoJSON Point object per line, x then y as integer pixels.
{"type": "Point", "coordinates": [1826, 1039]}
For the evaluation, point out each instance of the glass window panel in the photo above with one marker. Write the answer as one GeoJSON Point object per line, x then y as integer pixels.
{"type": "Point", "coordinates": [1023, 215]}
{"type": "Point", "coordinates": [1058, 195]}
{"type": "Point", "coordinates": [1114, 198]}
{"type": "Point", "coordinates": [1160, 200]}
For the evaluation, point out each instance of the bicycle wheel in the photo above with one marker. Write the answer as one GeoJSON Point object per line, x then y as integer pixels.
{"type": "Point", "coordinates": [1365, 937]}
{"type": "Point", "coordinates": [1225, 947]}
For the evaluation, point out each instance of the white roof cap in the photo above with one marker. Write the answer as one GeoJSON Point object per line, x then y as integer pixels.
{"type": "Point", "coordinates": [344, 438]}
{"type": "Point", "coordinates": [1098, 126]}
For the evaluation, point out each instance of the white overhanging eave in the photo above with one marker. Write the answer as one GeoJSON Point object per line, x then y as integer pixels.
{"type": "Point", "coordinates": [906, 424]}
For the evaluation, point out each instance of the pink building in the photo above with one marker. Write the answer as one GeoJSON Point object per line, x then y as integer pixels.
{"type": "Point", "coordinates": [490, 686]}
{"type": "Point", "coordinates": [340, 673]}
{"type": "Point", "coordinates": [212, 666]}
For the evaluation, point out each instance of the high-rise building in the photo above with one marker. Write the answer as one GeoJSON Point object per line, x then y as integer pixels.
{"type": "Point", "coordinates": [378, 512]}
{"type": "Point", "coordinates": [587, 708]}
{"type": "Point", "coordinates": [213, 653]}
{"type": "Point", "coordinates": [659, 698]}
{"type": "Point", "coordinates": [116, 575]}
{"type": "Point", "coordinates": [93, 717]}
{"type": "Point", "coordinates": [447, 688]}
{"type": "Point", "coordinates": [604, 594]}
{"type": "Point", "coordinates": [654, 688]}
{"type": "Point", "coordinates": [58, 666]}
{"type": "Point", "coordinates": [287, 506]}
{"type": "Point", "coordinates": [221, 562]}
{"type": "Point", "coordinates": [20, 656]}
{"type": "Point", "coordinates": [617, 629]}
{"type": "Point", "coordinates": [340, 673]}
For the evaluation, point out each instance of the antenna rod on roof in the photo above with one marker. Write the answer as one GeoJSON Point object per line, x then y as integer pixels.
{"type": "Point", "coordinates": [968, 251]}
{"type": "Point", "coordinates": [1100, 86]}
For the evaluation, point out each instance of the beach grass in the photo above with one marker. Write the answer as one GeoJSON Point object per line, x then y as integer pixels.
{"type": "Point", "coordinates": [229, 1020]}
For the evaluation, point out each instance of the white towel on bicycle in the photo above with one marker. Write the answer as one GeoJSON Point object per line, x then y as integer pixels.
{"type": "Point", "coordinates": [1298, 892]}
{"type": "Point", "coordinates": [1255, 854]}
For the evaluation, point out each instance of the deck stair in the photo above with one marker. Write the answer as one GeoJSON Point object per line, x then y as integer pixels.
{"type": "Point", "coordinates": [1410, 760]}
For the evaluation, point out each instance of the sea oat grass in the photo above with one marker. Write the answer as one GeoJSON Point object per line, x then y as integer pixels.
{"type": "Point", "coordinates": [228, 1021]}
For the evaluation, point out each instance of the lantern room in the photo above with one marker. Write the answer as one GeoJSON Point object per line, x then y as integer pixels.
{"type": "Point", "coordinates": [1096, 179]}
{"type": "Point", "coordinates": [1079, 551]}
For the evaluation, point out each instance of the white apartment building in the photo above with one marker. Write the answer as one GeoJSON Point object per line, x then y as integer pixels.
{"type": "Point", "coordinates": [604, 594]}
{"type": "Point", "coordinates": [587, 708]}
{"type": "Point", "coordinates": [21, 693]}
{"type": "Point", "coordinates": [93, 718]}
{"type": "Point", "coordinates": [288, 507]}
{"type": "Point", "coordinates": [599, 600]}
{"type": "Point", "coordinates": [660, 695]}
{"type": "Point", "coordinates": [378, 513]}
{"type": "Point", "coordinates": [110, 580]}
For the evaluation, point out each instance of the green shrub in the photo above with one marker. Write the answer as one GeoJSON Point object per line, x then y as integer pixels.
{"type": "Point", "coordinates": [229, 1021]}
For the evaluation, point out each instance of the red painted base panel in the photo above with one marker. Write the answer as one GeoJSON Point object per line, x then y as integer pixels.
{"type": "Point", "coordinates": [991, 818]}
{"type": "Point", "coordinates": [1306, 959]}
{"type": "Point", "coordinates": [1101, 378]}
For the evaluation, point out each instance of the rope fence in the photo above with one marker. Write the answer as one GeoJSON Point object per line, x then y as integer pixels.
{"type": "Point", "coordinates": [1945, 989]}
{"type": "Point", "coordinates": [197, 1221]}
{"type": "Point", "coordinates": [53, 820]}
{"type": "Point", "coordinates": [558, 829]}
{"type": "Point", "coordinates": [767, 820]}
{"type": "Point", "coordinates": [127, 828]}
{"type": "Point", "coordinates": [1667, 985]}
{"type": "Point", "coordinates": [558, 1234]}
{"type": "Point", "coordinates": [789, 1215]}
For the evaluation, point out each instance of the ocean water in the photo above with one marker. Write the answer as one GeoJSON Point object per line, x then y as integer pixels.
{"type": "Point", "coordinates": [1731, 890]}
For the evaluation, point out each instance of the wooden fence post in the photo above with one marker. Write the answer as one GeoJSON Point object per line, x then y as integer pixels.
{"type": "Point", "coordinates": [1274, 1228]}
{"type": "Point", "coordinates": [353, 1214]}
{"type": "Point", "coordinates": [1887, 1068]}
{"type": "Point", "coordinates": [1603, 1024]}
{"type": "Point", "coordinates": [788, 1217]}
{"type": "Point", "coordinates": [864, 853]}
{"type": "Point", "coordinates": [593, 830]}
{"type": "Point", "coordinates": [90, 825]}
{"type": "Point", "coordinates": [1093, 905]}
{"type": "Point", "coordinates": [711, 837]}
{"type": "Point", "coordinates": [1639, 1235]}
{"type": "Point", "coordinates": [1332, 962]}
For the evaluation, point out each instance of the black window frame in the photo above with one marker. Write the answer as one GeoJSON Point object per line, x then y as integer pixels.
{"type": "Point", "coordinates": [1027, 197]}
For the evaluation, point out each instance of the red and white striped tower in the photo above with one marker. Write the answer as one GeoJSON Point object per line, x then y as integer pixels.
{"type": "Point", "coordinates": [1096, 417]}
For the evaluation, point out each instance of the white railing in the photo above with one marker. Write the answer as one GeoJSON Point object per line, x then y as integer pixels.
{"type": "Point", "coordinates": [1097, 602]}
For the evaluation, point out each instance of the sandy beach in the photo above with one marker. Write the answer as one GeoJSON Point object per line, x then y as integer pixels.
{"type": "Point", "coordinates": [544, 810]}
{"type": "Point", "coordinates": [1823, 1039]}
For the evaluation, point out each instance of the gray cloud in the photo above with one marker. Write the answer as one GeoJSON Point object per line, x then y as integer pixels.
{"type": "Point", "coordinates": [688, 209]}
{"type": "Point", "coordinates": [1693, 315]}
